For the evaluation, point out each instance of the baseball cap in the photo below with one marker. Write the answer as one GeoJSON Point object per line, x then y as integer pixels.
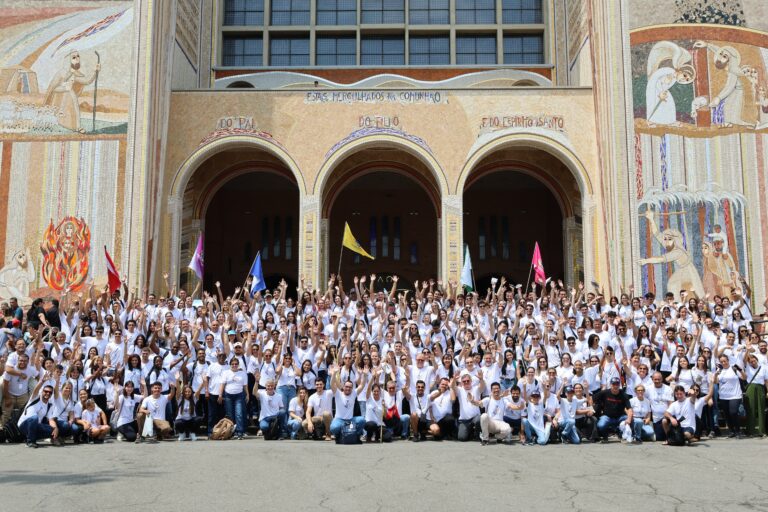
{"type": "Point", "coordinates": [615, 380]}
{"type": "Point", "coordinates": [569, 389]}
{"type": "Point", "coordinates": [535, 393]}
{"type": "Point", "coordinates": [231, 332]}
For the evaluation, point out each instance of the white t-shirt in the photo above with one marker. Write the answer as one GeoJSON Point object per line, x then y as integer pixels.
{"type": "Point", "coordinates": [296, 407]}
{"type": "Point", "coordinates": [660, 398]}
{"type": "Point", "coordinates": [420, 405]}
{"type": "Point", "coordinates": [234, 381]}
{"type": "Point", "coordinates": [127, 408]}
{"type": "Point", "coordinates": [155, 406]}
{"type": "Point", "coordinates": [270, 404]}
{"type": "Point", "coordinates": [93, 417]}
{"type": "Point", "coordinates": [38, 408]}
{"type": "Point", "coordinates": [321, 402]}
{"type": "Point", "coordinates": [374, 410]}
{"type": "Point", "coordinates": [535, 414]}
{"type": "Point", "coordinates": [345, 405]}
{"type": "Point", "coordinates": [441, 405]}
{"type": "Point", "coordinates": [684, 412]}
{"type": "Point", "coordinates": [730, 388]}
{"type": "Point", "coordinates": [494, 408]}
{"type": "Point", "coordinates": [568, 409]}
{"type": "Point", "coordinates": [468, 410]}
{"type": "Point", "coordinates": [640, 408]}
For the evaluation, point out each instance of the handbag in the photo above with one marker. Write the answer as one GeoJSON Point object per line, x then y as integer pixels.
{"type": "Point", "coordinates": [149, 427]}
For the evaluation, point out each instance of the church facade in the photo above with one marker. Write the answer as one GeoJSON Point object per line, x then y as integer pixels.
{"type": "Point", "coordinates": [627, 138]}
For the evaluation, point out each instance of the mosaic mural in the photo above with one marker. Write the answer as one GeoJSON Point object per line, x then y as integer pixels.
{"type": "Point", "coordinates": [701, 112]}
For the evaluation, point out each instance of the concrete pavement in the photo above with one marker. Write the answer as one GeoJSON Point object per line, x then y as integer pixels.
{"type": "Point", "coordinates": [302, 475]}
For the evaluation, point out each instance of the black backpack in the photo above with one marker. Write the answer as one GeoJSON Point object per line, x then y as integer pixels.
{"type": "Point", "coordinates": [11, 432]}
{"type": "Point", "coordinates": [348, 434]}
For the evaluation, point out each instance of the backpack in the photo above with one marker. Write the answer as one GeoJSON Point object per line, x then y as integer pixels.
{"type": "Point", "coordinates": [348, 435]}
{"type": "Point", "coordinates": [11, 432]}
{"type": "Point", "coordinates": [223, 430]}
{"type": "Point", "coordinates": [675, 436]}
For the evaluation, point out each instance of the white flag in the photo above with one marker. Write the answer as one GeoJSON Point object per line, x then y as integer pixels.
{"type": "Point", "coordinates": [466, 270]}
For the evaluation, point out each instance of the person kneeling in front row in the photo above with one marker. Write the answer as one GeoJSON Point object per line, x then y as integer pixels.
{"type": "Point", "coordinates": [154, 407]}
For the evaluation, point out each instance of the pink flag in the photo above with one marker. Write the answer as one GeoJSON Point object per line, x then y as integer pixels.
{"type": "Point", "coordinates": [197, 258]}
{"type": "Point", "coordinates": [538, 267]}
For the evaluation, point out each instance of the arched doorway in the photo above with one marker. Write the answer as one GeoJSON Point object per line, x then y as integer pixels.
{"type": "Point", "coordinates": [251, 213]}
{"type": "Point", "coordinates": [513, 198]}
{"type": "Point", "coordinates": [391, 203]}
{"type": "Point", "coordinates": [244, 197]}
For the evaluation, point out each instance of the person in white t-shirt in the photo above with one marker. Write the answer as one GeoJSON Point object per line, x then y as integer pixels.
{"type": "Point", "coordinates": [36, 422]}
{"type": "Point", "coordinates": [642, 417]}
{"type": "Point", "coordinates": [297, 410]}
{"type": "Point", "coordinates": [271, 411]}
{"type": "Point", "coordinates": [154, 407]}
{"type": "Point", "coordinates": [536, 423]}
{"type": "Point", "coordinates": [125, 403]}
{"type": "Point", "coordinates": [469, 406]}
{"type": "Point", "coordinates": [374, 414]}
{"type": "Point", "coordinates": [681, 413]}
{"type": "Point", "coordinates": [345, 396]}
{"type": "Point", "coordinates": [492, 420]}
{"type": "Point", "coordinates": [441, 410]}
{"type": "Point", "coordinates": [319, 412]}
{"type": "Point", "coordinates": [569, 409]}
{"type": "Point", "coordinates": [94, 422]}
{"type": "Point", "coordinates": [186, 421]}
{"type": "Point", "coordinates": [419, 417]}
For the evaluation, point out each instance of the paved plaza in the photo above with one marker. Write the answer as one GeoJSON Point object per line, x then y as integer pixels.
{"type": "Point", "coordinates": [255, 475]}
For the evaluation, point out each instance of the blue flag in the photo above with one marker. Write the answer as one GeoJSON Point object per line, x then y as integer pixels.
{"type": "Point", "coordinates": [258, 276]}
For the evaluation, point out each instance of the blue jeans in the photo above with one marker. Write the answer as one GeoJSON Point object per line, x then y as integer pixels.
{"type": "Point", "coordinates": [568, 431]}
{"type": "Point", "coordinates": [337, 424]}
{"type": "Point", "coordinates": [405, 425]}
{"type": "Point", "coordinates": [641, 431]}
{"type": "Point", "coordinates": [265, 423]}
{"type": "Point", "coordinates": [507, 384]}
{"type": "Point", "coordinates": [66, 430]}
{"type": "Point", "coordinates": [362, 407]}
{"type": "Point", "coordinates": [293, 427]}
{"type": "Point", "coordinates": [606, 425]}
{"type": "Point", "coordinates": [34, 430]}
{"type": "Point", "coordinates": [235, 407]}
{"type": "Point", "coordinates": [286, 393]}
{"type": "Point", "coordinates": [542, 436]}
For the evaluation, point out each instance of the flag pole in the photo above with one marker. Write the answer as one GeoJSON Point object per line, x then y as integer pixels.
{"type": "Point", "coordinates": [530, 269]}
{"type": "Point", "coordinates": [341, 253]}
{"type": "Point", "coordinates": [95, 88]}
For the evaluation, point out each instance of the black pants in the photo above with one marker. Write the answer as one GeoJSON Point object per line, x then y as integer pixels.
{"type": "Point", "coordinates": [101, 402]}
{"type": "Point", "coordinates": [586, 426]}
{"type": "Point", "coordinates": [201, 410]}
{"type": "Point", "coordinates": [215, 412]}
{"type": "Point", "coordinates": [447, 426]}
{"type": "Point", "coordinates": [730, 410]}
{"type": "Point", "coordinates": [129, 431]}
{"type": "Point", "coordinates": [373, 431]}
{"type": "Point", "coordinates": [186, 426]}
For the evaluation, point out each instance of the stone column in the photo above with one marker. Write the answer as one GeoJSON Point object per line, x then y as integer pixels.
{"type": "Point", "coordinates": [451, 237]}
{"type": "Point", "coordinates": [310, 243]}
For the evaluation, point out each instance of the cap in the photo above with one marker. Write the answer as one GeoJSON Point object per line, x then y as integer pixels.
{"type": "Point", "coordinates": [569, 389]}
{"type": "Point", "coordinates": [15, 322]}
{"type": "Point", "coordinates": [535, 393]}
{"type": "Point", "coordinates": [231, 332]}
{"type": "Point", "coordinates": [615, 380]}
{"type": "Point", "coordinates": [238, 344]}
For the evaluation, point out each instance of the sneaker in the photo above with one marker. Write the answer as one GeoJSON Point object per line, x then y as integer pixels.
{"type": "Point", "coordinates": [139, 440]}
{"type": "Point", "coordinates": [193, 437]}
{"type": "Point", "coordinates": [483, 442]}
{"type": "Point", "coordinates": [182, 437]}
{"type": "Point", "coordinates": [120, 437]}
{"type": "Point", "coordinates": [32, 444]}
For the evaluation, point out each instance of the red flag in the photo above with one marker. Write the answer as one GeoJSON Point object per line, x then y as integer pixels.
{"type": "Point", "coordinates": [538, 267]}
{"type": "Point", "coordinates": [113, 278]}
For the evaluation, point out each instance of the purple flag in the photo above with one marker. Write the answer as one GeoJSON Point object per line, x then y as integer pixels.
{"type": "Point", "coordinates": [197, 258]}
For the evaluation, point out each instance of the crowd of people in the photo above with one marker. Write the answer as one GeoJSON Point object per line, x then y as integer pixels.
{"type": "Point", "coordinates": [555, 364]}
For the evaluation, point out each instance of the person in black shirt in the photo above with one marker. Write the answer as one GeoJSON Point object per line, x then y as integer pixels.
{"type": "Point", "coordinates": [615, 408]}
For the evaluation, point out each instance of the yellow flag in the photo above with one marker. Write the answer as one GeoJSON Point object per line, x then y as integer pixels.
{"type": "Point", "coordinates": [351, 243]}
